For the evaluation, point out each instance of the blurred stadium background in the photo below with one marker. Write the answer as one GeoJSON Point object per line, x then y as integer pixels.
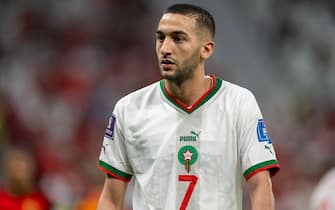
{"type": "Point", "coordinates": [64, 63]}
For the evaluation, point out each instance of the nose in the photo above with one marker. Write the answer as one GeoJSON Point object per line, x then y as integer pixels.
{"type": "Point", "coordinates": [165, 47]}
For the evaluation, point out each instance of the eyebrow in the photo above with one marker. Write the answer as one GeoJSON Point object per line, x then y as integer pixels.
{"type": "Point", "coordinates": [172, 33]}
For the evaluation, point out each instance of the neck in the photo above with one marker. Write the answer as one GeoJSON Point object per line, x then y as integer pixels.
{"type": "Point", "coordinates": [189, 91]}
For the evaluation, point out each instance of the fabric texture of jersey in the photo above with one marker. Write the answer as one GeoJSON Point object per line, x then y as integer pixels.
{"type": "Point", "coordinates": [187, 157]}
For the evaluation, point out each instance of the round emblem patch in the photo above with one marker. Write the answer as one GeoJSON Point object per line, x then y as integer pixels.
{"type": "Point", "coordinates": [188, 153]}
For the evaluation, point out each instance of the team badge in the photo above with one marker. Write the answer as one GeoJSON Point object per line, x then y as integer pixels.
{"type": "Point", "coordinates": [187, 156]}
{"type": "Point", "coordinates": [109, 133]}
{"type": "Point", "coordinates": [262, 133]}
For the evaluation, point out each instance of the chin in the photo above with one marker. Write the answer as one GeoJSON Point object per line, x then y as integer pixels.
{"type": "Point", "coordinates": [166, 73]}
{"type": "Point", "coordinates": [172, 78]}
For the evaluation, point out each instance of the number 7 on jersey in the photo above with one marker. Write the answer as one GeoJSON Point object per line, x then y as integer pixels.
{"type": "Point", "coordinates": [193, 181]}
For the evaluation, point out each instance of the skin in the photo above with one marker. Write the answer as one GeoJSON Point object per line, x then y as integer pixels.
{"type": "Point", "coordinates": [112, 195]}
{"type": "Point", "coordinates": [20, 171]}
{"type": "Point", "coordinates": [182, 49]}
{"type": "Point", "coordinates": [260, 191]}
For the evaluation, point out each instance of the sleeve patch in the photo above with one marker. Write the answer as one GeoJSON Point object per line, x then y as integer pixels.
{"type": "Point", "coordinates": [262, 133]}
{"type": "Point", "coordinates": [109, 133]}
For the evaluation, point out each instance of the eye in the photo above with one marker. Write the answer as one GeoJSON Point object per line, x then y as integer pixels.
{"type": "Point", "coordinates": [178, 38]}
{"type": "Point", "coordinates": [160, 37]}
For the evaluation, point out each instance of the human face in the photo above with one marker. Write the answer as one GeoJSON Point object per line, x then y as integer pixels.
{"type": "Point", "coordinates": [177, 47]}
{"type": "Point", "coordinates": [20, 168]}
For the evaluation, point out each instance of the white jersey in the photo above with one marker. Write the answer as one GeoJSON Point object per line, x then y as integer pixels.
{"type": "Point", "coordinates": [323, 197]}
{"type": "Point", "coordinates": [187, 157]}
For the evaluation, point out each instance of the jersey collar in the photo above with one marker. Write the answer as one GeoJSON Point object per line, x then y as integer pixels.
{"type": "Point", "coordinates": [202, 100]}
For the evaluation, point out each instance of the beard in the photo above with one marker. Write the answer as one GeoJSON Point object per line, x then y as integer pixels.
{"type": "Point", "coordinates": [185, 71]}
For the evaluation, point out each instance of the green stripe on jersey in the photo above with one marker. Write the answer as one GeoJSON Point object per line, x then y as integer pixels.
{"type": "Point", "coordinates": [259, 166]}
{"type": "Point", "coordinates": [114, 170]}
{"type": "Point", "coordinates": [209, 96]}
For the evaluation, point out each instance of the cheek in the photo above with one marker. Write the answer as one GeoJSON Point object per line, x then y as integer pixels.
{"type": "Point", "coordinates": [189, 50]}
{"type": "Point", "coordinates": [192, 55]}
{"type": "Point", "coordinates": [158, 46]}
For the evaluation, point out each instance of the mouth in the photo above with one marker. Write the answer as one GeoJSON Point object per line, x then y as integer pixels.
{"type": "Point", "coordinates": [166, 61]}
{"type": "Point", "coordinates": [166, 64]}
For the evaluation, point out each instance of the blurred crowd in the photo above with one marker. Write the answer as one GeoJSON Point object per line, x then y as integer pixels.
{"type": "Point", "coordinates": [64, 64]}
{"type": "Point", "coordinates": [300, 35]}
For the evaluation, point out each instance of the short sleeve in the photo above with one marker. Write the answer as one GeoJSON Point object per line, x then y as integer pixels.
{"type": "Point", "coordinates": [255, 146]}
{"type": "Point", "coordinates": [113, 158]}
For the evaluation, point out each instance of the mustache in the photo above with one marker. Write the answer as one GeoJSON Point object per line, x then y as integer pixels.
{"type": "Point", "coordinates": [164, 60]}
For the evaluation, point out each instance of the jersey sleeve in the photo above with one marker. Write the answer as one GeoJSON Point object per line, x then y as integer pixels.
{"type": "Point", "coordinates": [113, 158]}
{"type": "Point", "coordinates": [255, 146]}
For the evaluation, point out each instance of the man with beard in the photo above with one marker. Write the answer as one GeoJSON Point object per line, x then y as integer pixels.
{"type": "Point", "coordinates": [189, 139]}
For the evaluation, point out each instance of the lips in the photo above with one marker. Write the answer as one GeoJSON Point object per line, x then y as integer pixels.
{"type": "Point", "coordinates": [167, 64]}
{"type": "Point", "coordinates": [165, 61]}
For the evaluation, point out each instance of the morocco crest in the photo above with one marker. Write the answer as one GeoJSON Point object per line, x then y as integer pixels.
{"type": "Point", "coordinates": [187, 156]}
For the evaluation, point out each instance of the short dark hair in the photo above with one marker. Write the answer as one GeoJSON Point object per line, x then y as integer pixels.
{"type": "Point", "coordinates": [203, 17]}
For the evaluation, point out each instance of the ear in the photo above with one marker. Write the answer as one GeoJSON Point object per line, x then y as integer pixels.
{"type": "Point", "coordinates": [207, 49]}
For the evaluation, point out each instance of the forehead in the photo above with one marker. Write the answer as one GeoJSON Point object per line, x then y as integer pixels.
{"type": "Point", "coordinates": [171, 22]}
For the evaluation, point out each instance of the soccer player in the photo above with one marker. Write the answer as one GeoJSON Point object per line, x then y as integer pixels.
{"type": "Point", "coordinates": [323, 196]}
{"type": "Point", "coordinates": [190, 139]}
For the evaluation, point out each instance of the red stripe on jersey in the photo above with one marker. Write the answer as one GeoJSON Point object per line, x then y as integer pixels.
{"type": "Point", "coordinates": [274, 168]}
{"type": "Point", "coordinates": [193, 106]}
{"type": "Point", "coordinates": [112, 174]}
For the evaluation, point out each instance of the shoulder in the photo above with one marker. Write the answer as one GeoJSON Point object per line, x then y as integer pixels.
{"type": "Point", "coordinates": [235, 92]}
{"type": "Point", "coordinates": [140, 96]}
{"type": "Point", "coordinates": [328, 180]}
{"type": "Point", "coordinates": [235, 99]}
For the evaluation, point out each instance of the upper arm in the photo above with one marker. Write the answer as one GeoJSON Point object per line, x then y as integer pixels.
{"type": "Point", "coordinates": [260, 179]}
{"type": "Point", "coordinates": [113, 159]}
{"type": "Point", "coordinates": [260, 191]}
{"type": "Point", "coordinates": [255, 145]}
{"type": "Point", "coordinates": [113, 194]}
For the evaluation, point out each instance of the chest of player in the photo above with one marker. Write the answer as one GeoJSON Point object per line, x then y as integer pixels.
{"type": "Point", "coordinates": [205, 140]}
